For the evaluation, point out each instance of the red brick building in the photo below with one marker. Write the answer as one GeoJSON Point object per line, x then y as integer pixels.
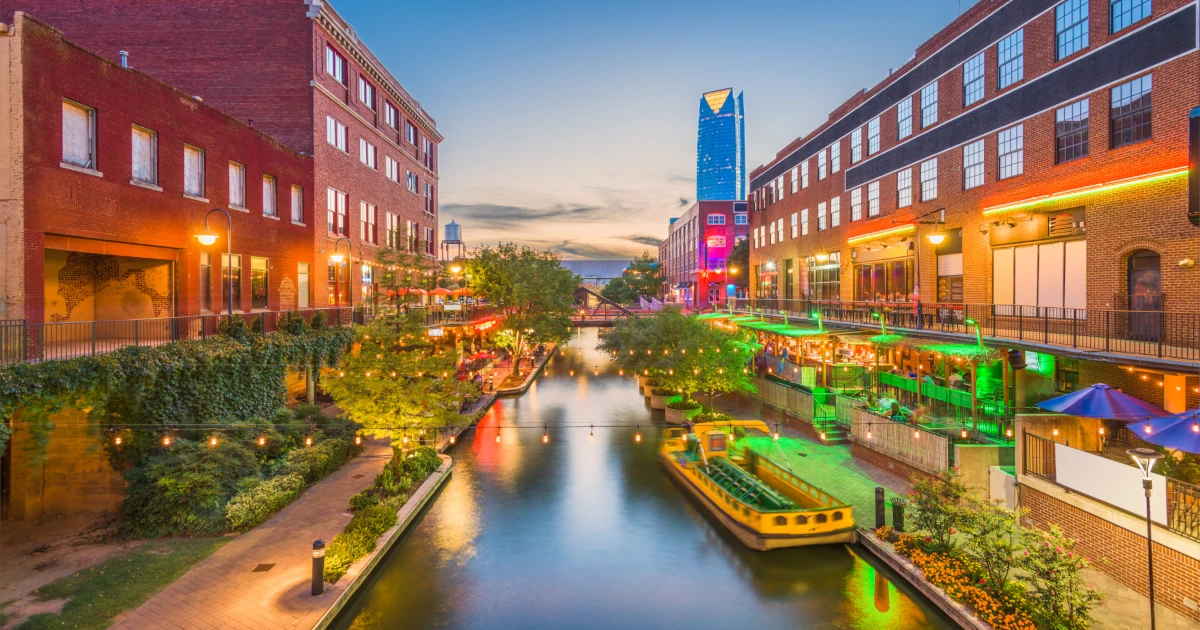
{"type": "Point", "coordinates": [696, 251]}
{"type": "Point", "coordinates": [1043, 143]}
{"type": "Point", "coordinates": [107, 177]}
{"type": "Point", "coordinates": [297, 71]}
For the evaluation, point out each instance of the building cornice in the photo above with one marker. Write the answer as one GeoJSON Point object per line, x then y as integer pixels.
{"type": "Point", "coordinates": [334, 26]}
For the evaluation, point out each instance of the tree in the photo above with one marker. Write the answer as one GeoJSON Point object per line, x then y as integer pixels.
{"type": "Point", "coordinates": [1058, 595]}
{"type": "Point", "coordinates": [993, 538]}
{"type": "Point", "coordinates": [532, 290]}
{"type": "Point", "coordinates": [395, 377]}
{"type": "Point", "coordinates": [404, 271]}
{"type": "Point", "coordinates": [642, 276]}
{"type": "Point", "coordinates": [937, 509]}
{"type": "Point", "coordinates": [739, 259]}
{"type": "Point", "coordinates": [619, 291]}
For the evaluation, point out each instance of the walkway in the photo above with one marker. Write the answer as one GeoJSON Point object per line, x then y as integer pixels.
{"type": "Point", "coordinates": [261, 579]}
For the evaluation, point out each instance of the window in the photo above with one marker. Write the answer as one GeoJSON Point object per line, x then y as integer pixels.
{"type": "Point", "coordinates": [258, 283]}
{"type": "Point", "coordinates": [929, 179]}
{"type": "Point", "coordinates": [929, 105]}
{"type": "Point", "coordinates": [411, 182]}
{"type": "Point", "coordinates": [410, 133]}
{"type": "Point", "coordinates": [973, 80]}
{"type": "Point", "coordinates": [873, 136]}
{"type": "Point", "coordinates": [335, 132]}
{"type": "Point", "coordinates": [835, 157]}
{"type": "Point", "coordinates": [904, 118]}
{"type": "Point", "coordinates": [303, 285]}
{"type": "Point", "coordinates": [236, 269]}
{"type": "Point", "coordinates": [367, 231]}
{"type": "Point", "coordinates": [368, 154]}
{"type": "Point", "coordinates": [1011, 149]}
{"type": "Point", "coordinates": [427, 156]}
{"type": "Point", "coordinates": [429, 244]}
{"type": "Point", "coordinates": [973, 165]}
{"type": "Point", "coordinates": [412, 235]}
{"type": "Point", "coordinates": [873, 199]}
{"type": "Point", "coordinates": [1130, 112]}
{"type": "Point", "coordinates": [824, 278]}
{"type": "Point", "coordinates": [79, 135]}
{"type": "Point", "coordinates": [1066, 371]}
{"type": "Point", "coordinates": [795, 225]}
{"type": "Point", "coordinates": [856, 204]}
{"type": "Point", "coordinates": [336, 213]}
{"type": "Point", "coordinates": [821, 225]}
{"type": "Point", "coordinates": [835, 212]}
{"type": "Point", "coordinates": [741, 219]}
{"type": "Point", "coordinates": [145, 155]}
{"type": "Point", "coordinates": [392, 168]}
{"type": "Point", "coordinates": [1010, 59]}
{"type": "Point", "coordinates": [297, 205]}
{"type": "Point", "coordinates": [1071, 27]}
{"type": "Point", "coordinates": [269, 207]}
{"type": "Point", "coordinates": [822, 166]}
{"type": "Point", "coordinates": [890, 281]}
{"type": "Point", "coordinates": [366, 93]}
{"type": "Point", "coordinates": [795, 179]}
{"type": "Point", "coordinates": [237, 186]}
{"type": "Point", "coordinates": [335, 65]}
{"type": "Point", "coordinates": [339, 275]}
{"type": "Point", "coordinates": [804, 174]}
{"type": "Point", "coordinates": [1126, 12]}
{"type": "Point", "coordinates": [856, 146]}
{"type": "Point", "coordinates": [804, 222]}
{"type": "Point", "coordinates": [205, 282]}
{"type": "Point", "coordinates": [193, 171]}
{"type": "Point", "coordinates": [904, 188]}
{"type": "Point", "coordinates": [1071, 132]}
{"type": "Point", "coordinates": [716, 219]}
{"type": "Point", "coordinates": [429, 207]}
{"type": "Point", "coordinates": [391, 115]}
{"type": "Point", "coordinates": [391, 230]}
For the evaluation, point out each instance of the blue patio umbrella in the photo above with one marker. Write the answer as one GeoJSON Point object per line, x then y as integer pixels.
{"type": "Point", "coordinates": [1102, 401]}
{"type": "Point", "coordinates": [1180, 431]}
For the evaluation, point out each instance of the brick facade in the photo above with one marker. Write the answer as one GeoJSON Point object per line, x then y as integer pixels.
{"type": "Point", "coordinates": [695, 254]}
{"type": "Point", "coordinates": [1147, 216]}
{"type": "Point", "coordinates": [101, 212]}
{"type": "Point", "coordinates": [883, 462]}
{"type": "Point", "coordinates": [265, 64]}
{"type": "Point", "coordinates": [1176, 575]}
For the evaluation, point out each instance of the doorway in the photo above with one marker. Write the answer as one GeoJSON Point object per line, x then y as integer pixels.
{"type": "Point", "coordinates": [1144, 295]}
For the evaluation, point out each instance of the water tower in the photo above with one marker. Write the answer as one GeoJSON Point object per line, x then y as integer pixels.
{"type": "Point", "coordinates": [452, 244]}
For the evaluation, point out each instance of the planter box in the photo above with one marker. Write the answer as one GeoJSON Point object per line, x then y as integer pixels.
{"type": "Point", "coordinates": [679, 416]}
{"type": "Point", "coordinates": [660, 402]}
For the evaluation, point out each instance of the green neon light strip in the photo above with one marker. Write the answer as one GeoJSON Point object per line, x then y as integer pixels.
{"type": "Point", "coordinates": [1090, 191]}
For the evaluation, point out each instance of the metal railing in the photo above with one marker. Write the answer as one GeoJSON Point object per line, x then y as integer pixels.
{"type": "Point", "coordinates": [1163, 334]}
{"type": "Point", "coordinates": [21, 341]}
{"type": "Point", "coordinates": [1039, 457]}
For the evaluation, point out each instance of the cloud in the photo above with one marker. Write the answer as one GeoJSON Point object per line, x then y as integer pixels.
{"type": "Point", "coordinates": [594, 252]}
{"type": "Point", "coordinates": [501, 217]}
{"type": "Point", "coordinates": [644, 240]}
{"type": "Point", "coordinates": [684, 201]}
{"type": "Point", "coordinates": [680, 179]}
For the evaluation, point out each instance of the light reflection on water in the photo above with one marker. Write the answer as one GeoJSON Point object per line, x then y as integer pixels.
{"type": "Point", "coordinates": [590, 533]}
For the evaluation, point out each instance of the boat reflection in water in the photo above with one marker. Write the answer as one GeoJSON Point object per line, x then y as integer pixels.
{"type": "Point", "coordinates": [587, 533]}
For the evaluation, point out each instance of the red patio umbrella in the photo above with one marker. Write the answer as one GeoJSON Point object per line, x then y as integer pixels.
{"type": "Point", "coordinates": [440, 291]}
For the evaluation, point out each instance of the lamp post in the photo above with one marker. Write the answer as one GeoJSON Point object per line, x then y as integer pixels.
{"type": "Point", "coordinates": [882, 321]}
{"type": "Point", "coordinates": [337, 258]}
{"type": "Point", "coordinates": [936, 238]}
{"type": "Point", "coordinates": [978, 334]}
{"type": "Point", "coordinates": [207, 237]}
{"type": "Point", "coordinates": [1145, 458]}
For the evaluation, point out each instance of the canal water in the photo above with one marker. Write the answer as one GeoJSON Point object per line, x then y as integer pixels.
{"type": "Point", "coordinates": [587, 531]}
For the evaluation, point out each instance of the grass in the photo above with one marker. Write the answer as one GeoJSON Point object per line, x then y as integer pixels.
{"type": "Point", "coordinates": [99, 594]}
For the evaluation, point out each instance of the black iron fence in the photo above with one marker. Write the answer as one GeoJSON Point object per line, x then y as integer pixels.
{"type": "Point", "coordinates": [1165, 334]}
{"type": "Point", "coordinates": [1039, 457]}
{"type": "Point", "coordinates": [21, 341]}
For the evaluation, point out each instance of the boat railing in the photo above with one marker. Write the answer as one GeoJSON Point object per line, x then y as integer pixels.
{"type": "Point", "coordinates": [822, 498]}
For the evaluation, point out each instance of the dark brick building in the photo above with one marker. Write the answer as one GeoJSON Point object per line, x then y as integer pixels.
{"type": "Point", "coordinates": [107, 177]}
{"type": "Point", "coordinates": [696, 252]}
{"type": "Point", "coordinates": [296, 70]}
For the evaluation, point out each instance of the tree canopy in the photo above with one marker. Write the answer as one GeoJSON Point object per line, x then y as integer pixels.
{"type": "Point", "coordinates": [532, 290]}
{"type": "Point", "coordinates": [739, 259]}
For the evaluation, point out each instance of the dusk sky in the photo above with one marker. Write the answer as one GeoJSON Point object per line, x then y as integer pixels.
{"type": "Point", "coordinates": [572, 125]}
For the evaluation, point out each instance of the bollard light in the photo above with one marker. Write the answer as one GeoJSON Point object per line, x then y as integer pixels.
{"type": "Point", "coordinates": [318, 567]}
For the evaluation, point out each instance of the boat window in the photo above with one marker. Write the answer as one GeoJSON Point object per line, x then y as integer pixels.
{"type": "Point", "coordinates": [837, 516]}
{"type": "Point", "coordinates": [821, 518]}
{"type": "Point", "coordinates": [781, 520]}
{"type": "Point", "coordinates": [802, 520]}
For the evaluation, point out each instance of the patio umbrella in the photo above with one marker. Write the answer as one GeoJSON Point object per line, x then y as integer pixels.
{"type": "Point", "coordinates": [440, 291]}
{"type": "Point", "coordinates": [1102, 401]}
{"type": "Point", "coordinates": [1180, 431]}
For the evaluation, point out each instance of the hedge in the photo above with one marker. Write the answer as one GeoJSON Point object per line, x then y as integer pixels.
{"type": "Point", "coordinates": [251, 507]}
{"type": "Point", "coordinates": [358, 539]}
{"type": "Point", "coordinates": [315, 463]}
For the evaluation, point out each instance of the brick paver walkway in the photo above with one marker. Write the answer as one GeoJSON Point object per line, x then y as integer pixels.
{"type": "Point", "coordinates": [225, 591]}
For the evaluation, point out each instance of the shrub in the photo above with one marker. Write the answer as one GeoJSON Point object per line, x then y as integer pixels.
{"type": "Point", "coordinates": [660, 391]}
{"type": "Point", "coordinates": [712, 416]}
{"type": "Point", "coordinates": [235, 327]}
{"type": "Point", "coordinates": [252, 506]}
{"type": "Point", "coordinates": [357, 540]}
{"type": "Point", "coordinates": [684, 405]}
{"type": "Point", "coordinates": [937, 509]}
{"type": "Point", "coordinates": [386, 482]}
{"type": "Point", "coordinates": [183, 490]}
{"type": "Point", "coordinates": [319, 320]}
{"type": "Point", "coordinates": [291, 323]}
{"type": "Point", "coordinates": [363, 500]}
{"type": "Point", "coordinates": [1058, 596]}
{"type": "Point", "coordinates": [651, 382]}
{"type": "Point", "coordinates": [316, 462]}
{"type": "Point", "coordinates": [420, 463]}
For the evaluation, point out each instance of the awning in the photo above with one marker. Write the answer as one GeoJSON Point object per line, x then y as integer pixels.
{"type": "Point", "coordinates": [969, 352]}
{"type": "Point", "coordinates": [785, 330]}
{"type": "Point", "coordinates": [681, 285]}
{"type": "Point", "coordinates": [708, 316]}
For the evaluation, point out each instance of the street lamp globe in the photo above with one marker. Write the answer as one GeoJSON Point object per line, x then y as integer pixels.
{"type": "Point", "coordinates": [1145, 458]}
{"type": "Point", "coordinates": [207, 237]}
{"type": "Point", "coordinates": [337, 258]}
{"type": "Point", "coordinates": [456, 269]}
{"type": "Point", "coordinates": [937, 237]}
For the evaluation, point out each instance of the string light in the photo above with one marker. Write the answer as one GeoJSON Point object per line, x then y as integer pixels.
{"type": "Point", "coordinates": [357, 440]}
{"type": "Point", "coordinates": [822, 435]}
{"type": "Point", "coordinates": [212, 441]}
{"type": "Point", "coordinates": [869, 433]}
{"type": "Point", "coordinates": [1147, 428]}
{"type": "Point", "coordinates": [917, 434]}
{"type": "Point", "coordinates": [117, 441]}
{"type": "Point", "coordinates": [453, 439]}
{"type": "Point", "coordinates": [592, 433]}
{"type": "Point", "coordinates": [637, 437]}
{"type": "Point", "coordinates": [545, 435]}
{"type": "Point", "coordinates": [308, 441]}
{"type": "Point", "coordinates": [262, 441]}
{"type": "Point", "coordinates": [1101, 431]}
{"type": "Point", "coordinates": [1055, 431]}
{"type": "Point", "coordinates": [963, 433]}
{"type": "Point", "coordinates": [1008, 433]}
{"type": "Point", "coordinates": [166, 440]}
{"type": "Point", "coordinates": [497, 436]}
{"type": "Point", "coordinates": [404, 440]}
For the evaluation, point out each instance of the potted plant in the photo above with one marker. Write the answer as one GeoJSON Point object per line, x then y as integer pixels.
{"type": "Point", "coordinates": [681, 411]}
{"type": "Point", "coordinates": [660, 398]}
{"type": "Point", "coordinates": [648, 386]}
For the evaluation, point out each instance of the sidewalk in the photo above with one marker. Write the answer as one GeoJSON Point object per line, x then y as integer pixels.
{"type": "Point", "coordinates": [261, 579]}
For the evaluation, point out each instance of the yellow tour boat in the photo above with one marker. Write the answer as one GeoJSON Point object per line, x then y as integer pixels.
{"type": "Point", "coordinates": [765, 504]}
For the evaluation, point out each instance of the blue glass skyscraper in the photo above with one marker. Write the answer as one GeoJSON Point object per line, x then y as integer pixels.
{"type": "Point", "coordinates": [721, 148]}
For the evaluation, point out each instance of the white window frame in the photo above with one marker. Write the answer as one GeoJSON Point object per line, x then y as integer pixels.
{"type": "Point", "coordinates": [741, 218]}
{"type": "Point", "coordinates": [392, 168]}
{"type": "Point", "coordinates": [150, 177]}
{"type": "Point", "coordinates": [368, 154]}
{"type": "Point", "coordinates": [795, 179]}
{"type": "Point", "coordinates": [856, 146]}
{"type": "Point", "coordinates": [835, 157]}
{"type": "Point", "coordinates": [835, 212]}
{"type": "Point", "coordinates": [1010, 59]}
{"type": "Point", "coordinates": [856, 204]}
{"type": "Point", "coordinates": [270, 196]}
{"type": "Point", "coordinates": [822, 165]}
{"type": "Point", "coordinates": [929, 179]}
{"type": "Point", "coordinates": [72, 158]}
{"type": "Point", "coordinates": [237, 185]}
{"type": "Point", "coordinates": [974, 85]}
{"type": "Point", "coordinates": [804, 222]}
{"type": "Point", "coordinates": [821, 220]}
{"type": "Point", "coordinates": [298, 205]}
{"type": "Point", "coordinates": [366, 93]}
{"type": "Point", "coordinates": [973, 161]}
{"type": "Point", "coordinates": [198, 154]}
{"type": "Point", "coordinates": [804, 174]}
{"type": "Point", "coordinates": [795, 224]}
{"type": "Point", "coordinates": [391, 115]}
{"type": "Point", "coordinates": [929, 105]}
{"type": "Point", "coordinates": [873, 136]}
{"type": "Point", "coordinates": [335, 64]}
{"type": "Point", "coordinates": [716, 219]}
{"type": "Point", "coordinates": [335, 133]}
{"type": "Point", "coordinates": [873, 199]}
{"type": "Point", "coordinates": [904, 126]}
{"type": "Point", "coordinates": [904, 188]}
{"type": "Point", "coordinates": [1010, 143]}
